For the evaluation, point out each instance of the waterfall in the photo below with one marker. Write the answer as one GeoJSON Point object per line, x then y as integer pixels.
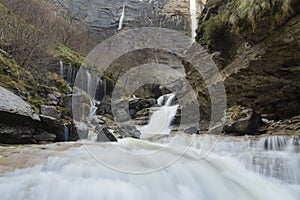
{"type": "Point", "coordinates": [161, 119]}
{"type": "Point", "coordinates": [75, 174]}
{"type": "Point", "coordinates": [194, 20]}
{"type": "Point", "coordinates": [71, 75]}
{"type": "Point", "coordinates": [93, 107]}
{"type": "Point", "coordinates": [122, 18]}
{"type": "Point", "coordinates": [66, 133]}
{"type": "Point", "coordinates": [61, 68]}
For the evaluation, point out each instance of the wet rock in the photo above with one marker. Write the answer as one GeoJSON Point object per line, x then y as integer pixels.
{"type": "Point", "coordinates": [191, 130]}
{"type": "Point", "coordinates": [128, 131]}
{"type": "Point", "coordinates": [104, 135]}
{"type": "Point", "coordinates": [287, 126]}
{"type": "Point", "coordinates": [82, 130]}
{"type": "Point", "coordinates": [240, 120]}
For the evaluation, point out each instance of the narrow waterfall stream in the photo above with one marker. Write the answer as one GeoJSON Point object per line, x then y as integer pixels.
{"type": "Point", "coordinates": [194, 21]}
{"type": "Point", "coordinates": [122, 18]}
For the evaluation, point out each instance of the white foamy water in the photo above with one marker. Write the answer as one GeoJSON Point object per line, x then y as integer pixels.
{"type": "Point", "coordinates": [122, 18]}
{"type": "Point", "coordinates": [160, 121]}
{"type": "Point", "coordinates": [194, 21]}
{"type": "Point", "coordinates": [75, 174]}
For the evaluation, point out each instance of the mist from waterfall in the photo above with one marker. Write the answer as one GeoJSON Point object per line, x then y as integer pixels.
{"type": "Point", "coordinates": [161, 119]}
{"type": "Point", "coordinates": [122, 18]}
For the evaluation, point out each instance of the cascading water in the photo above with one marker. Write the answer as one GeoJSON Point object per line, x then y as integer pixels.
{"type": "Point", "coordinates": [75, 174]}
{"type": "Point", "coordinates": [66, 133]}
{"type": "Point", "coordinates": [161, 119]}
{"type": "Point", "coordinates": [122, 18]}
{"type": "Point", "coordinates": [194, 21]}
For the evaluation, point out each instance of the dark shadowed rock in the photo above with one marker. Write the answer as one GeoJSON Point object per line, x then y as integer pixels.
{"type": "Point", "coordinates": [241, 120]}
{"type": "Point", "coordinates": [103, 135]}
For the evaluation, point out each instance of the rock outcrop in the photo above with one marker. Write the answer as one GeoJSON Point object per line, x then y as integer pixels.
{"type": "Point", "coordinates": [103, 17]}
{"type": "Point", "coordinates": [240, 121]}
{"type": "Point", "coordinates": [19, 124]}
{"type": "Point", "coordinates": [258, 53]}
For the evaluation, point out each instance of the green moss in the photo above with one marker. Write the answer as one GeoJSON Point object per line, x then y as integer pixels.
{"type": "Point", "coordinates": [3, 9]}
{"type": "Point", "coordinates": [244, 16]}
{"type": "Point", "coordinates": [69, 56]}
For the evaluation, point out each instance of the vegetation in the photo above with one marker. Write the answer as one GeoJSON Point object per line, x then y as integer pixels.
{"type": "Point", "coordinates": [32, 41]}
{"type": "Point", "coordinates": [244, 16]}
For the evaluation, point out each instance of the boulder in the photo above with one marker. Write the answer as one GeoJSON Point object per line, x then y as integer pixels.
{"type": "Point", "coordinates": [11, 103]}
{"type": "Point", "coordinates": [81, 130]}
{"type": "Point", "coordinates": [18, 121]}
{"type": "Point", "coordinates": [50, 111]}
{"type": "Point", "coordinates": [240, 120]}
{"type": "Point", "coordinates": [105, 106]}
{"type": "Point", "coordinates": [128, 131]}
{"type": "Point", "coordinates": [103, 134]}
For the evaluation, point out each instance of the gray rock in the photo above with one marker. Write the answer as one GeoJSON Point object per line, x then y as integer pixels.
{"type": "Point", "coordinates": [82, 130]}
{"type": "Point", "coordinates": [103, 135]}
{"type": "Point", "coordinates": [50, 111]}
{"type": "Point", "coordinates": [54, 98]}
{"type": "Point", "coordinates": [241, 120]}
{"type": "Point", "coordinates": [191, 130]}
{"type": "Point", "coordinates": [128, 131]}
{"type": "Point", "coordinates": [12, 103]}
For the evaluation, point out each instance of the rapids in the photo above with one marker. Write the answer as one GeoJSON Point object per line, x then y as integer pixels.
{"type": "Point", "coordinates": [107, 171]}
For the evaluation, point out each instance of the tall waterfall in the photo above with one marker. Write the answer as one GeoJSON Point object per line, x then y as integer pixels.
{"type": "Point", "coordinates": [194, 21]}
{"type": "Point", "coordinates": [122, 18]}
{"type": "Point", "coordinates": [161, 119]}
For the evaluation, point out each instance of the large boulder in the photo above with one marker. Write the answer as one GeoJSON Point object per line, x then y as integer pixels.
{"type": "Point", "coordinates": [19, 123]}
{"type": "Point", "coordinates": [240, 120]}
{"type": "Point", "coordinates": [11, 103]}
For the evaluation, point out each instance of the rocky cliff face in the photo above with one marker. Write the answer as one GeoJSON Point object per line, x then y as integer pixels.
{"type": "Point", "coordinates": [258, 47]}
{"type": "Point", "coordinates": [103, 17]}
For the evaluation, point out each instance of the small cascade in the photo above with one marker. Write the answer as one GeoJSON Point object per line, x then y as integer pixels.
{"type": "Point", "coordinates": [122, 18]}
{"type": "Point", "coordinates": [161, 119]}
{"type": "Point", "coordinates": [70, 78]}
{"type": "Point", "coordinates": [275, 157]}
{"type": "Point", "coordinates": [61, 68]}
{"type": "Point", "coordinates": [66, 133]}
{"type": "Point", "coordinates": [194, 21]}
{"type": "Point", "coordinates": [156, 56]}
{"type": "Point", "coordinates": [280, 143]}
{"type": "Point", "coordinates": [93, 107]}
